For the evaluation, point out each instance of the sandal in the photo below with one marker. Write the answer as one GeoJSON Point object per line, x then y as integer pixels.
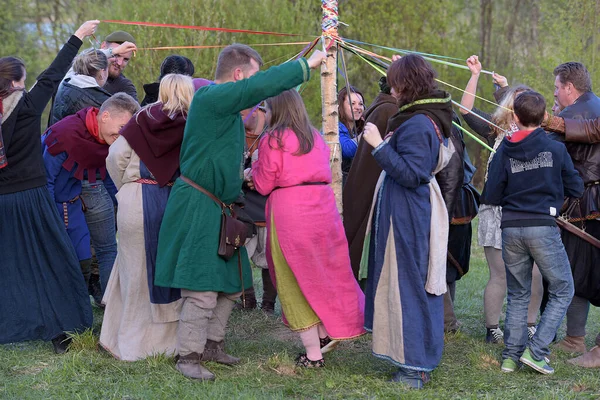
{"type": "Point", "coordinates": [328, 344]}
{"type": "Point", "coordinates": [303, 361]}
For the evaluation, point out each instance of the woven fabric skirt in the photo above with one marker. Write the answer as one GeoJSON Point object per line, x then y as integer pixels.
{"type": "Point", "coordinates": [298, 314]}
{"type": "Point", "coordinates": [42, 290]}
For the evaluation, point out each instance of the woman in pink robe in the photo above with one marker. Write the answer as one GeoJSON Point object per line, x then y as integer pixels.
{"type": "Point", "coordinates": [307, 248]}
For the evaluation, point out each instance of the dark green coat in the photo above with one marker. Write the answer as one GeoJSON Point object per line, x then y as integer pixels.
{"type": "Point", "coordinates": [212, 156]}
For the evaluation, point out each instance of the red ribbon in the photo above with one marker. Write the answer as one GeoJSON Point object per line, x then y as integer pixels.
{"type": "Point", "coordinates": [221, 46]}
{"type": "Point", "coordinates": [198, 28]}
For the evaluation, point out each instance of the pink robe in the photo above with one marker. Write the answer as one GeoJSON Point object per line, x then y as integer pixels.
{"type": "Point", "coordinates": [310, 231]}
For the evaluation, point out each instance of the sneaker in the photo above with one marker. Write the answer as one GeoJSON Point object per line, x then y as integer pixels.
{"type": "Point", "coordinates": [494, 335]}
{"type": "Point", "coordinates": [540, 366]}
{"type": "Point", "coordinates": [531, 330]}
{"type": "Point", "coordinates": [508, 365]}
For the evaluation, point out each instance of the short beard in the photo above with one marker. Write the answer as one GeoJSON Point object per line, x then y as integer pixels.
{"type": "Point", "coordinates": [113, 74]}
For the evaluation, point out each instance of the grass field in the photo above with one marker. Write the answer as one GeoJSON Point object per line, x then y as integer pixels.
{"type": "Point", "coordinates": [469, 369]}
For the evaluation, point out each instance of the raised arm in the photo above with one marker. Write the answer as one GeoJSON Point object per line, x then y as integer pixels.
{"type": "Point", "coordinates": [234, 97]}
{"type": "Point", "coordinates": [468, 97]}
{"type": "Point", "coordinates": [575, 130]}
{"type": "Point", "coordinates": [478, 125]}
{"type": "Point", "coordinates": [48, 81]}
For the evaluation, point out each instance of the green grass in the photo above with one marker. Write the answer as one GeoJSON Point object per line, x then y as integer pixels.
{"type": "Point", "coordinates": [470, 369]}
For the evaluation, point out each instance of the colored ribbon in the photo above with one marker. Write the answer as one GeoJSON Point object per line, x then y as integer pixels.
{"type": "Point", "coordinates": [222, 46]}
{"type": "Point", "coordinates": [375, 55]}
{"type": "Point", "coordinates": [427, 56]}
{"type": "Point", "coordinates": [475, 138]}
{"type": "Point", "coordinates": [478, 140]}
{"type": "Point", "coordinates": [401, 50]}
{"type": "Point", "coordinates": [329, 23]}
{"type": "Point", "coordinates": [197, 28]}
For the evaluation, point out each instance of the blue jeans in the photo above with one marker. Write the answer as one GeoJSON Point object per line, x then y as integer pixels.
{"type": "Point", "coordinates": [521, 247]}
{"type": "Point", "coordinates": [100, 218]}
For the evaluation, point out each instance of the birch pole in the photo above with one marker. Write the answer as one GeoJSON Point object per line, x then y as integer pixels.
{"type": "Point", "coordinates": [329, 25]}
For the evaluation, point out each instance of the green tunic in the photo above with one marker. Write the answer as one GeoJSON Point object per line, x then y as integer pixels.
{"type": "Point", "coordinates": [211, 156]}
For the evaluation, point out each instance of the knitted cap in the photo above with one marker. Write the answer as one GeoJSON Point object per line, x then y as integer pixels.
{"type": "Point", "coordinates": [119, 37]}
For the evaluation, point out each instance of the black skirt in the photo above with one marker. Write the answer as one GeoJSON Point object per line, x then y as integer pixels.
{"type": "Point", "coordinates": [42, 290]}
{"type": "Point", "coordinates": [459, 252]}
{"type": "Point", "coordinates": [585, 262]}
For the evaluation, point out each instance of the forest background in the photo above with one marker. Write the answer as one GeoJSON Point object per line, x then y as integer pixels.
{"type": "Point", "coordinates": [521, 39]}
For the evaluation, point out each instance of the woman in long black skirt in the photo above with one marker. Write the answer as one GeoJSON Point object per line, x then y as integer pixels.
{"type": "Point", "coordinates": [42, 291]}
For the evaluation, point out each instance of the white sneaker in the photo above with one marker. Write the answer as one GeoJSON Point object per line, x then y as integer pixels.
{"type": "Point", "coordinates": [531, 330]}
{"type": "Point", "coordinates": [494, 335]}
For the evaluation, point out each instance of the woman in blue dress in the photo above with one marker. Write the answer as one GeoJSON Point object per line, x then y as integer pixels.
{"type": "Point", "coordinates": [404, 306]}
{"type": "Point", "coordinates": [42, 291]}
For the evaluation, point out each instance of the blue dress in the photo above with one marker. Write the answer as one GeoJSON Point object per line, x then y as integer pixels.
{"type": "Point", "coordinates": [406, 321]}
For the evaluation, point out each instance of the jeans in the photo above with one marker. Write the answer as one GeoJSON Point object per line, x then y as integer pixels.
{"type": "Point", "coordinates": [521, 247]}
{"type": "Point", "coordinates": [100, 218]}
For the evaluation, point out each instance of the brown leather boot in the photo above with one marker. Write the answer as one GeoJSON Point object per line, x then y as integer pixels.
{"type": "Point", "coordinates": [591, 359]}
{"type": "Point", "coordinates": [572, 344]}
{"type": "Point", "coordinates": [215, 351]}
{"type": "Point", "coordinates": [189, 365]}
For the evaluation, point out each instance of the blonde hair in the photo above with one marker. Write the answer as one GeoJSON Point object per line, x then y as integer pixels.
{"type": "Point", "coordinates": [175, 93]}
{"type": "Point", "coordinates": [503, 116]}
{"type": "Point", "coordinates": [90, 62]}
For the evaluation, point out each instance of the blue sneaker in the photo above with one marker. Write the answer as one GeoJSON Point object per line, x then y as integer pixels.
{"type": "Point", "coordinates": [540, 366]}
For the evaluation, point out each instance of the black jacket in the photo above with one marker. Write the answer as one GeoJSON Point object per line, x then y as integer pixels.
{"type": "Point", "coordinates": [530, 179]}
{"type": "Point", "coordinates": [70, 98]}
{"type": "Point", "coordinates": [22, 129]}
{"type": "Point", "coordinates": [121, 84]}
{"type": "Point", "coordinates": [151, 93]}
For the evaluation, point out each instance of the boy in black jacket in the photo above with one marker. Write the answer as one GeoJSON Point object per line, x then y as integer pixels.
{"type": "Point", "coordinates": [529, 177]}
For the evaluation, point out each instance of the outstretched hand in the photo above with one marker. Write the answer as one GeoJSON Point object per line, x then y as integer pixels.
{"type": "Point", "coordinates": [316, 58]}
{"type": "Point", "coordinates": [500, 80]}
{"type": "Point", "coordinates": [474, 65]}
{"type": "Point", "coordinates": [126, 47]}
{"type": "Point", "coordinates": [88, 28]}
{"type": "Point", "coordinates": [371, 135]}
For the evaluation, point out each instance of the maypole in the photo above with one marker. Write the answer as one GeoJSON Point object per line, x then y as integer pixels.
{"type": "Point", "coordinates": [329, 25]}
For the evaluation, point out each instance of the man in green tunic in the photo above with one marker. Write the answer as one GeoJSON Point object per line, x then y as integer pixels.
{"type": "Point", "coordinates": [212, 157]}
